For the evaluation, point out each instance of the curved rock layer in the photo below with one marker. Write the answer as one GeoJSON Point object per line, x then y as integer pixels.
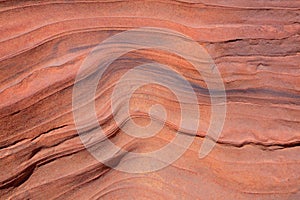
{"type": "Point", "coordinates": [255, 46]}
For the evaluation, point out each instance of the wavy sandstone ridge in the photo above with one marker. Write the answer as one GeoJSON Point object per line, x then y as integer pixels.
{"type": "Point", "coordinates": [255, 46]}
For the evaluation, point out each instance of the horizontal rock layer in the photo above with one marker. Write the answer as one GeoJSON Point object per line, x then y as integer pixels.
{"type": "Point", "coordinates": [255, 46]}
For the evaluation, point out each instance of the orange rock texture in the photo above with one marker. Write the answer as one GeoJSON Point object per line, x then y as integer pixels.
{"type": "Point", "coordinates": [254, 45]}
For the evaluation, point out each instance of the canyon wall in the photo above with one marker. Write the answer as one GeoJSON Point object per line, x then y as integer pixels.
{"type": "Point", "coordinates": [253, 44]}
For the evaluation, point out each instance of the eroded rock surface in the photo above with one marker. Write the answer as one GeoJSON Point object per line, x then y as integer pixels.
{"type": "Point", "coordinates": [255, 46]}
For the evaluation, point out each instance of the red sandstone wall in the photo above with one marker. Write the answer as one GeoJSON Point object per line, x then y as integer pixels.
{"type": "Point", "coordinates": [255, 46]}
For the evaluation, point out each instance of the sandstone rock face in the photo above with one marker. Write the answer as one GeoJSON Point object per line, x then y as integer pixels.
{"type": "Point", "coordinates": [255, 47]}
